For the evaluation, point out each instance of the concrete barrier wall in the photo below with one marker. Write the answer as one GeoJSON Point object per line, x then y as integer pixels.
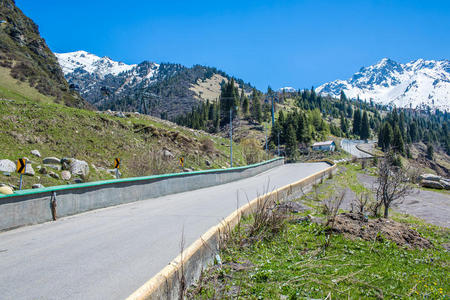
{"type": "Point", "coordinates": [34, 206]}
{"type": "Point", "coordinates": [189, 264]}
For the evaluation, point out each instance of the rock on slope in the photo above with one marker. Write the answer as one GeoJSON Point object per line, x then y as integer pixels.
{"type": "Point", "coordinates": [417, 84]}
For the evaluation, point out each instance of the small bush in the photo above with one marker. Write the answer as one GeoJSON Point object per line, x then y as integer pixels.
{"type": "Point", "coordinates": [207, 146]}
{"type": "Point", "coordinates": [252, 150]}
{"type": "Point", "coordinates": [363, 164]}
{"type": "Point", "coordinates": [151, 163]}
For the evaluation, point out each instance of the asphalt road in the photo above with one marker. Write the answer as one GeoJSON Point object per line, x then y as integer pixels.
{"type": "Point", "coordinates": [350, 147]}
{"type": "Point", "coordinates": [433, 207]}
{"type": "Point", "coordinates": [109, 253]}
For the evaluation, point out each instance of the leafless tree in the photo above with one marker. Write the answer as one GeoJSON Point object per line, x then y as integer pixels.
{"type": "Point", "coordinates": [392, 183]}
{"type": "Point", "coordinates": [361, 202]}
{"type": "Point", "coordinates": [331, 207]}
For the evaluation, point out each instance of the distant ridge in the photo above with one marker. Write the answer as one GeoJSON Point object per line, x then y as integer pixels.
{"type": "Point", "coordinates": [417, 84]}
{"type": "Point", "coordinates": [165, 89]}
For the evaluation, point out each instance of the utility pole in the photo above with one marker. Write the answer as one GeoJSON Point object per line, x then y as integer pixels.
{"type": "Point", "coordinates": [231, 137]}
{"type": "Point", "coordinates": [278, 149]}
{"type": "Point", "coordinates": [273, 111]}
{"type": "Point", "coordinates": [265, 137]}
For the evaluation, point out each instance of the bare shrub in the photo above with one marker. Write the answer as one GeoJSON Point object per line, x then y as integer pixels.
{"type": "Point", "coordinates": [331, 206]}
{"type": "Point", "coordinates": [268, 217]}
{"type": "Point", "coordinates": [151, 162]}
{"type": "Point", "coordinates": [207, 145]}
{"type": "Point", "coordinates": [392, 182]}
{"type": "Point", "coordinates": [364, 164]}
{"type": "Point", "coordinates": [414, 174]}
{"type": "Point", "coordinates": [252, 150]}
{"type": "Point", "coordinates": [182, 273]}
{"type": "Point", "coordinates": [361, 203]}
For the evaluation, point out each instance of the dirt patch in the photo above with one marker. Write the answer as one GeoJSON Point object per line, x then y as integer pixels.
{"type": "Point", "coordinates": [358, 226]}
{"type": "Point", "coordinates": [239, 266]}
{"type": "Point", "coordinates": [293, 207]}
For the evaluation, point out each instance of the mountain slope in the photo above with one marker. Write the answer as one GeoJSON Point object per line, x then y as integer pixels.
{"type": "Point", "coordinates": [164, 89]}
{"type": "Point", "coordinates": [417, 84]}
{"type": "Point", "coordinates": [25, 60]}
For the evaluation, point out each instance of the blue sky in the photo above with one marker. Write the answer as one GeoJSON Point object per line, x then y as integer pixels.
{"type": "Point", "coordinates": [276, 43]}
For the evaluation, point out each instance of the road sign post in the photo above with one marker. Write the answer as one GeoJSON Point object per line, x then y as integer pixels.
{"type": "Point", "coordinates": [21, 168]}
{"type": "Point", "coordinates": [116, 167]}
{"type": "Point", "coordinates": [181, 163]}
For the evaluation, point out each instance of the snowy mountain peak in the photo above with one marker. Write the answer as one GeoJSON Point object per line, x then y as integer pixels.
{"type": "Point", "coordinates": [288, 89]}
{"type": "Point", "coordinates": [416, 84]}
{"type": "Point", "coordinates": [90, 63]}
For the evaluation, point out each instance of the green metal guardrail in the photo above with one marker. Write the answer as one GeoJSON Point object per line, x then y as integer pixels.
{"type": "Point", "coordinates": [112, 181]}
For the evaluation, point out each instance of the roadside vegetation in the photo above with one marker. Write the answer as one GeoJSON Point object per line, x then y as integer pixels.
{"type": "Point", "coordinates": [146, 145]}
{"type": "Point", "coordinates": [330, 244]}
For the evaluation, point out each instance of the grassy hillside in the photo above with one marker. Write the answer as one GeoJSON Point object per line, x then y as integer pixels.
{"type": "Point", "coordinates": [25, 56]}
{"type": "Point", "coordinates": [98, 137]}
{"type": "Point", "coordinates": [12, 88]}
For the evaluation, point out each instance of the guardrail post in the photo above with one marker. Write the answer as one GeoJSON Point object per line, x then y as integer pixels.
{"type": "Point", "coordinates": [53, 205]}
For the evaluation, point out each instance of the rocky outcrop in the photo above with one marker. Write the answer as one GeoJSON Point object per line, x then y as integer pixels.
{"type": "Point", "coordinates": [6, 190]}
{"type": "Point", "coordinates": [65, 175]}
{"type": "Point", "coordinates": [434, 181]}
{"type": "Point", "coordinates": [167, 154]}
{"type": "Point", "coordinates": [36, 153]}
{"type": "Point", "coordinates": [432, 184]}
{"type": "Point", "coordinates": [430, 177]}
{"type": "Point", "coordinates": [53, 175]}
{"type": "Point", "coordinates": [51, 161]}
{"type": "Point", "coordinates": [29, 171]}
{"type": "Point", "coordinates": [79, 167]}
{"type": "Point", "coordinates": [7, 165]}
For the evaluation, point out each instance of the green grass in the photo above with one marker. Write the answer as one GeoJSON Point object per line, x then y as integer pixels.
{"type": "Point", "coordinates": [61, 131]}
{"type": "Point", "coordinates": [295, 265]}
{"type": "Point", "coordinates": [11, 88]}
{"type": "Point", "coordinates": [445, 192]}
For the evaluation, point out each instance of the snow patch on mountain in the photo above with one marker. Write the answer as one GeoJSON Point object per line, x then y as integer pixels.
{"type": "Point", "coordinates": [416, 84]}
{"type": "Point", "coordinates": [91, 63]}
{"type": "Point", "coordinates": [287, 89]}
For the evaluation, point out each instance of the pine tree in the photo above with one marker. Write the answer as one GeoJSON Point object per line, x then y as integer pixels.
{"type": "Point", "coordinates": [228, 101]}
{"type": "Point", "coordinates": [365, 130]}
{"type": "Point", "coordinates": [275, 133]}
{"type": "Point", "coordinates": [357, 122]}
{"type": "Point", "coordinates": [245, 106]}
{"type": "Point", "coordinates": [343, 98]}
{"type": "Point", "coordinates": [256, 107]}
{"type": "Point", "coordinates": [385, 136]}
{"type": "Point", "coordinates": [397, 142]}
{"type": "Point", "coordinates": [430, 151]}
{"type": "Point", "coordinates": [291, 141]}
{"type": "Point", "coordinates": [344, 127]}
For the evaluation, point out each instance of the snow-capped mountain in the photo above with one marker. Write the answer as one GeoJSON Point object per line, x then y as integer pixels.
{"type": "Point", "coordinates": [287, 89]}
{"type": "Point", "coordinates": [416, 84]}
{"type": "Point", "coordinates": [158, 89]}
{"type": "Point", "coordinates": [90, 63]}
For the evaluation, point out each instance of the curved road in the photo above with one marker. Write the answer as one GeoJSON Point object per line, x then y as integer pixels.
{"type": "Point", "coordinates": [350, 147]}
{"type": "Point", "coordinates": [109, 253]}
